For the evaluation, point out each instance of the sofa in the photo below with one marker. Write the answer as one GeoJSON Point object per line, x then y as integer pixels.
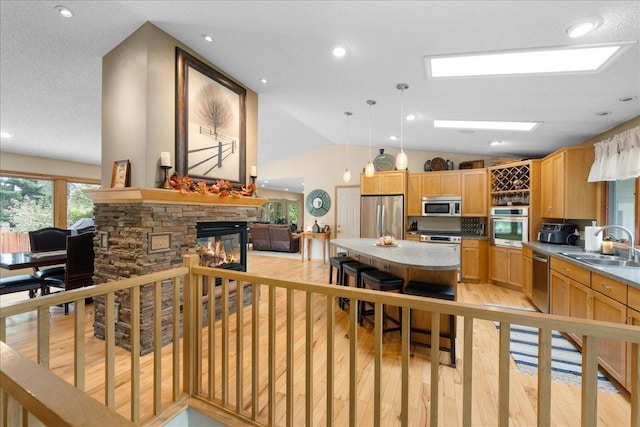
{"type": "Point", "coordinates": [274, 237]}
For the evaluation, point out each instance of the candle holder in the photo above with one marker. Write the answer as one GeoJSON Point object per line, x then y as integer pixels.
{"type": "Point", "coordinates": [166, 184]}
{"type": "Point", "coordinates": [254, 191]}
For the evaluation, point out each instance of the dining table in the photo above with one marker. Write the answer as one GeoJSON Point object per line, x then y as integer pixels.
{"type": "Point", "coordinates": [28, 259]}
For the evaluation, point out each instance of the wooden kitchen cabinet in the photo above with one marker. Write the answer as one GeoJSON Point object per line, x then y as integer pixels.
{"type": "Point", "coordinates": [384, 183]}
{"type": "Point", "coordinates": [414, 194]}
{"type": "Point", "coordinates": [633, 318]}
{"type": "Point", "coordinates": [612, 354]}
{"type": "Point", "coordinates": [580, 305]}
{"type": "Point", "coordinates": [474, 260]}
{"type": "Point", "coordinates": [527, 271]}
{"type": "Point", "coordinates": [441, 183]}
{"type": "Point", "coordinates": [596, 297]}
{"type": "Point", "coordinates": [560, 288]}
{"type": "Point", "coordinates": [505, 265]}
{"type": "Point", "coordinates": [565, 192]}
{"type": "Point", "coordinates": [474, 187]}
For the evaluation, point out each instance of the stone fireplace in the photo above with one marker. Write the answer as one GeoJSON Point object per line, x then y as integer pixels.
{"type": "Point", "coordinates": [141, 231]}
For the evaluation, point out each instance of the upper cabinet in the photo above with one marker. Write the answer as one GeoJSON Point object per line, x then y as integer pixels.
{"type": "Point", "coordinates": [565, 192]}
{"type": "Point", "coordinates": [474, 192]}
{"type": "Point", "coordinates": [384, 183]}
{"type": "Point", "coordinates": [414, 194]}
{"type": "Point", "coordinates": [441, 183]}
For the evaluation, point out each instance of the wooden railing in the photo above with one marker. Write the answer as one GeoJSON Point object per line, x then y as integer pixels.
{"type": "Point", "coordinates": [107, 358]}
{"type": "Point", "coordinates": [248, 363]}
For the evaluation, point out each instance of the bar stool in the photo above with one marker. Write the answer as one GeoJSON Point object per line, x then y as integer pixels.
{"type": "Point", "coordinates": [337, 262]}
{"type": "Point", "coordinates": [438, 291]}
{"type": "Point", "coordinates": [380, 281]}
{"type": "Point", "coordinates": [355, 270]}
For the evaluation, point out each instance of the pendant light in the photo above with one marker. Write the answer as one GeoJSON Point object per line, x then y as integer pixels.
{"type": "Point", "coordinates": [369, 170]}
{"type": "Point", "coordinates": [346, 176]}
{"type": "Point", "coordinates": [401, 157]}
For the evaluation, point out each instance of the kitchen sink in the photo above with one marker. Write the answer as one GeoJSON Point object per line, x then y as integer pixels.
{"type": "Point", "coordinates": [603, 260]}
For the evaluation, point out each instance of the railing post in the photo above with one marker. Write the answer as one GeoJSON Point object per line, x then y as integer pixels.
{"type": "Point", "coordinates": [189, 324]}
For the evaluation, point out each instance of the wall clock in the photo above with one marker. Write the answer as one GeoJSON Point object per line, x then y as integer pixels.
{"type": "Point", "coordinates": [318, 202]}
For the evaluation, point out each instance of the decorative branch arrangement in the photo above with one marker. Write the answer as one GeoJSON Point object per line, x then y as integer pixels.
{"type": "Point", "coordinates": [221, 187]}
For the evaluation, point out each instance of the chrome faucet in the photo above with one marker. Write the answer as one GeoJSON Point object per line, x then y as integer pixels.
{"type": "Point", "coordinates": [632, 249]}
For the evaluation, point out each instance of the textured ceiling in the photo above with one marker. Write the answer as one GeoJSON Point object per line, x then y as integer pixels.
{"type": "Point", "coordinates": [51, 70]}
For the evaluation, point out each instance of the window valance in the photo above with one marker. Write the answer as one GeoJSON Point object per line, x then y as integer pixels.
{"type": "Point", "coordinates": [617, 157]}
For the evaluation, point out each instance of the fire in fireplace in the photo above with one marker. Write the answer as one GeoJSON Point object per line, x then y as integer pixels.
{"type": "Point", "coordinates": [222, 244]}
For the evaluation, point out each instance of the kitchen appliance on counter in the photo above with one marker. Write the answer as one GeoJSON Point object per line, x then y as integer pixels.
{"type": "Point", "coordinates": [439, 237]}
{"type": "Point", "coordinates": [381, 215]}
{"type": "Point", "coordinates": [442, 206]}
{"type": "Point", "coordinates": [559, 234]}
{"type": "Point", "coordinates": [509, 226]}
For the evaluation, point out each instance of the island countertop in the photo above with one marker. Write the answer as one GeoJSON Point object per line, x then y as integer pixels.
{"type": "Point", "coordinates": [415, 255]}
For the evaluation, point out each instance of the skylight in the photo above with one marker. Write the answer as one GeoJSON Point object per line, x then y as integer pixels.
{"type": "Point", "coordinates": [484, 124]}
{"type": "Point", "coordinates": [535, 61]}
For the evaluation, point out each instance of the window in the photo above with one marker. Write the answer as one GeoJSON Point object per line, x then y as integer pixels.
{"type": "Point", "coordinates": [622, 206]}
{"type": "Point", "coordinates": [78, 204]}
{"type": "Point", "coordinates": [30, 202]}
{"type": "Point", "coordinates": [27, 204]}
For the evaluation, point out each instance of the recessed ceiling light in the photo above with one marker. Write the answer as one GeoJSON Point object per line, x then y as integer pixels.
{"type": "Point", "coordinates": [207, 38]}
{"type": "Point", "coordinates": [6, 134]}
{"type": "Point", "coordinates": [584, 26]}
{"type": "Point", "coordinates": [393, 138]}
{"type": "Point", "coordinates": [480, 124]}
{"type": "Point", "coordinates": [411, 117]}
{"type": "Point", "coordinates": [627, 98]}
{"type": "Point", "coordinates": [64, 11]}
{"type": "Point", "coordinates": [339, 51]}
{"type": "Point", "coordinates": [495, 143]}
{"type": "Point", "coordinates": [534, 61]}
{"type": "Point", "coordinates": [264, 81]}
{"type": "Point", "coordinates": [603, 113]}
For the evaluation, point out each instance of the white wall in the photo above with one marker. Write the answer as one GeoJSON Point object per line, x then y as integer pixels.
{"type": "Point", "coordinates": [10, 162]}
{"type": "Point", "coordinates": [323, 168]}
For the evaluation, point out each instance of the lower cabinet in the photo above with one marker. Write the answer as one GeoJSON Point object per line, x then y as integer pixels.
{"type": "Point", "coordinates": [527, 272]}
{"type": "Point", "coordinates": [601, 299]}
{"type": "Point", "coordinates": [560, 288]}
{"type": "Point", "coordinates": [505, 265]}
{"type": "Point", "coordinates": [474, 260]}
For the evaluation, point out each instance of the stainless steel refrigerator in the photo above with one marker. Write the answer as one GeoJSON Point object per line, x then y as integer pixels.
{"type": "Point", "coordinates": [381, 215]}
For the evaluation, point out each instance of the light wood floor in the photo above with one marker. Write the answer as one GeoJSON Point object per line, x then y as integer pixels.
{"type": "Point", "coordinates": [613, 409]}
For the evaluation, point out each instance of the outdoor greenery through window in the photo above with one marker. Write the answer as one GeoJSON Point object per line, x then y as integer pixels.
{"type": "Point", "coordinates": [622, 208]}
{"type": "Point", "coordinates": [78, 204]}
{"type": "Point", "coordinates": [28, 204]}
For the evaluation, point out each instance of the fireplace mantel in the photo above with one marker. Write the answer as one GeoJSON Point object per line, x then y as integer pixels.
{"type": "Point", "coordinates": [127, 221]}
{"type": "Point", "coordinates": [137, 195]}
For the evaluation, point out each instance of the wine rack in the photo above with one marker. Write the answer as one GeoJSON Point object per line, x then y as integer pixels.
{"type": "Point", "coordinates": [511, 185]}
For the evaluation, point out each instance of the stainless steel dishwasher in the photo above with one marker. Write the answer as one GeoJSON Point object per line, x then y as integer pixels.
{"type": "Point", "coordinates": [541, 290]}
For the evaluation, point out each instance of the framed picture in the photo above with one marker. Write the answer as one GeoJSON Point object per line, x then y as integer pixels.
{"type": "Point", "coordinates": [210, 123]}
{"type": "Point", "coordinates": [121, 174]}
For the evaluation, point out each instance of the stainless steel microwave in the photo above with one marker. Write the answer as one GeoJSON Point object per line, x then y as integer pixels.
{"type": "Point", "coordinates": [441, 206]}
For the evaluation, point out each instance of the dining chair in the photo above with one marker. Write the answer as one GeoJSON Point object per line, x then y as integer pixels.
{"type": "Point", "coordinates": [79, 265]}
{"type": "Point", "coordinates": [49, 239]}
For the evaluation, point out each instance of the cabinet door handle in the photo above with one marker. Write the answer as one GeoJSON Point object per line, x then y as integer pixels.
{"type": "Point", "coordinates": [607, 287]}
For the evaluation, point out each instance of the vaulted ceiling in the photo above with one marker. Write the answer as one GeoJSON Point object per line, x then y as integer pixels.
{"type": "Point", "coordinates": [51, 70]}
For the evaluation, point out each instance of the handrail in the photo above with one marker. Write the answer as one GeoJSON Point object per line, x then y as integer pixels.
{"type": "Point", "coordinates": [591, 330]}
{"type": "Point", "coordinates": [222, 379]}
{"type": "Point", "coordinates": [49, 398]}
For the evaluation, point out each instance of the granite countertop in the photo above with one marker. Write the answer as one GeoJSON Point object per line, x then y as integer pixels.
{"type": "Point", "coordinates": [408, 253]}
{"type": "Point", "coordinates": [628, 276]}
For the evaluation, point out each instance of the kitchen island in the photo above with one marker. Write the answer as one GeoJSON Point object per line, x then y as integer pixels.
{"type": "Point", "coordinates": [411, 261]}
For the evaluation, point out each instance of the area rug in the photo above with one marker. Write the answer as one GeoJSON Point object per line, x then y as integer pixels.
{"type": "Point", "coordinates": [566, 360]}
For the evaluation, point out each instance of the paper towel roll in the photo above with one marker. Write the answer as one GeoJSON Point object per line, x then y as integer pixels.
{"type": "Point", "coordinates": [592, 243]}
